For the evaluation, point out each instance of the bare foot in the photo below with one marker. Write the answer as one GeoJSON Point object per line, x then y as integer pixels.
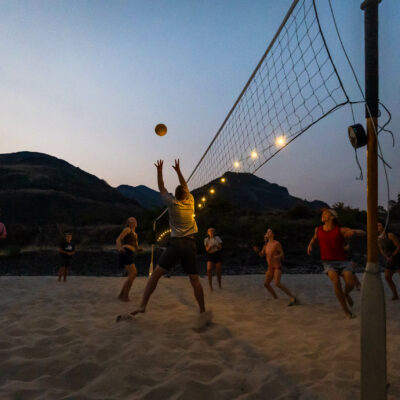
{"type": "Point", "coordinates": [294, 302]}
{"type": "Point", "coordinates": [125, 317]}
{"type": "Point", "coordinates": [138, 311]}
{"type": "Point", "coordinates": [202, 321]}
{"type": "Point", "coordinates": [350, 315]}
{"type": "Point", "coordinates": [125, 299]}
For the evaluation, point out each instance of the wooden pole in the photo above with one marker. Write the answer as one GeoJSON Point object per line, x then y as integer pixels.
{"type": "Point", "coordinates": [373, 314]}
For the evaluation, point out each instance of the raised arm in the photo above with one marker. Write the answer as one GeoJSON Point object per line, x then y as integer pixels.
{"type": "Point", "coordinates": [160, 180]}
{"type": "Point", "coordinates": [182, 181]}
{"type": "Point", "coordinates": [312, 241]}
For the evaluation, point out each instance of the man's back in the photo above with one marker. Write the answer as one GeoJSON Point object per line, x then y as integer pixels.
{"type": "Point", "coordinates": [181, 215]}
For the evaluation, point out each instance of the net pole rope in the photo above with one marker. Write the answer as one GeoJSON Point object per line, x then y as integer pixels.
{"type": "Point", "coordinates": [329, 54]}
{"type": "Point", "coordinates": [288, 14]}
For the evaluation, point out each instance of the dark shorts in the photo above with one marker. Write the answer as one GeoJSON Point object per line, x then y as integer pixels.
{"type": "Point", "coordinates": [214, 257]}
{"type": "Point", "coordinates": [183, 250]}
{"type": "Point", "coordinates": [126, 257]}
{"type": "Point", "coordinates": [394, 265]}
{"type": "Point", "coordinates": [65, 261]}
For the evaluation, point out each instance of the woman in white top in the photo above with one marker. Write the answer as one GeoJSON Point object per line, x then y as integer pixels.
{"type": "Point", "coordinates": [213, 245]}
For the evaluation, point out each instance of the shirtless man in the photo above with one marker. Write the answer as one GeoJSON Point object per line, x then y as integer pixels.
{"type": "Point", "coordinates": [181, 246]}
{"type": "Point", "coordinates": [273, 252]}
{"type": "Point", "coordinates": [331, 238]}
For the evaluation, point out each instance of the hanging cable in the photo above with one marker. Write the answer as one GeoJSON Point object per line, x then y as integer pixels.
{"type": "Point", "coordinates": [384, 163]}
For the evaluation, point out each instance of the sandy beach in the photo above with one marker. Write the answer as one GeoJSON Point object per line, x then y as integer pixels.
{"type": "Point", "coordinates": [60, 341]}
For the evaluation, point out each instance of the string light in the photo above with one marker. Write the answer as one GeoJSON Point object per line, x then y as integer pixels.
{"type": "Point", "coordinates": [254, 155]}
{"type": "Point", "coordinates": [203, 199]}
{"type": "Point", "coordinates": [223, 180]}
{"type": "Point", "coordinates": [236, 164]}
{"type": "Point", "coordinates": [212, 191]}
{"type": "Point", "coordinates": [163, 234]}
{"type": "Point", "coordinates": [199, 205]}
{"type": "Point", "coordinates": [280, 141]}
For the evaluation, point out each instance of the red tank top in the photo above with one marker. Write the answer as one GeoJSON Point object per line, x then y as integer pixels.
{"type": "Point", "coordinates": [331, 244]}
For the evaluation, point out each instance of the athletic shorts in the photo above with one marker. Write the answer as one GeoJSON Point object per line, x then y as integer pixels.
{"type": "Point", "coordinates": [126, 257]}
{"type": "Point", "coordinates": [395, 265]}
{"type": "Point", "coordinates": [214, 257]}
{"type": "Point", "coordinates": [183, 250]}
{"type": "Point", "coordinates": [66, 261]}
{"type": "Point", "coordinates": [337, 266]}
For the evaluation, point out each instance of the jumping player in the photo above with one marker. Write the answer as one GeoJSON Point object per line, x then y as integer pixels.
{"type": "Point", "coordinates": [181, 246]}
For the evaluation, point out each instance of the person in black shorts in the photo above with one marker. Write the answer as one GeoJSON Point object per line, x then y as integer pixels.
{"type": "Point", "coordinates": [181, 246]}
{"type": "Point", "coordinates": [213, 245]}
{"type": "Point", "coordinates": [127, 244]}
{"type": "Point", "coordinates": [66, 251]}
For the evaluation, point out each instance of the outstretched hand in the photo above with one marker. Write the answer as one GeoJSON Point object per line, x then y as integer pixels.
{"type": "Point", "coordinates": [176, 167]}
{"type": "Point", "coordinates": [159, 165]}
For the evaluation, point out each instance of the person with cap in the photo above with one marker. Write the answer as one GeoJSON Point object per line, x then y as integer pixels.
{"type": "Point", "coordinates": [127, 245]}
{"type": "Point", "coordinates": [331, 238]}
{"type": "Point", "coordinates": [389, 247]}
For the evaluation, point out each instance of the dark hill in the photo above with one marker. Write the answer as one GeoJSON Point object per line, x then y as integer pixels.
{"type": "Point", "coordinates": [39, 189]}
{"type": "Point", "coordinates": [146, 197]}
{"type": "Point", "coordinates": [252, 193]}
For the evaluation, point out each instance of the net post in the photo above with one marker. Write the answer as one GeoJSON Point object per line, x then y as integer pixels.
{"type": "Point", "coordinates": [151, 268]}
{"type": "Point", "coordinates": [373, 314]}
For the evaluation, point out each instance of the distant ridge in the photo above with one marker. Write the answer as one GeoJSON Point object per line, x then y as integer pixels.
{"type": "Point", "coordinates": [249, 192]}
{"type": "Point", "coordinates": [41, 189]}
{"type": "Point", "coordinates": [146, 197]}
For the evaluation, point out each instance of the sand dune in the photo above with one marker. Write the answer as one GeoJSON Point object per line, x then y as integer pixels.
{"type": "Point", "coordinates": [60, 341]}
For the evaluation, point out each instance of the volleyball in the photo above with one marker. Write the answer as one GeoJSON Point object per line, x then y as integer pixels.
{"type": "Point", "coordinates": [160, 129]}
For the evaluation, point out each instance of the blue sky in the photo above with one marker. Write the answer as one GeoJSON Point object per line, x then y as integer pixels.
{"type": "Point", "coordinates": [87, 81]}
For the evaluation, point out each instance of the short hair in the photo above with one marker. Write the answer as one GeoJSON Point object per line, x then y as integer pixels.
{"type": "Point", "coordinates": [180, 193]}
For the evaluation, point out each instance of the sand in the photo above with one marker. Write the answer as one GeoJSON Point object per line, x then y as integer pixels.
{"type": "Point", "coordinates": [60, 341]}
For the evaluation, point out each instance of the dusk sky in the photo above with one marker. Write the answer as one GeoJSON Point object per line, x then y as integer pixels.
{"type": "Point", "coordinates": [87, 81]}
